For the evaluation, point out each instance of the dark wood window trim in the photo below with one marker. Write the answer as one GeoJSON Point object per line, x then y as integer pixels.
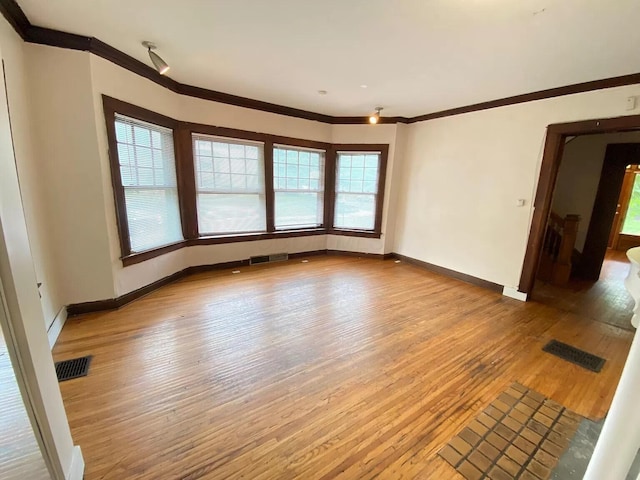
{"type": "Point", "coordinates": [360, 147]}
{"type": "Point", "coordinates": [183, 144]}
{"type": "Point", "coordinates": [111, 107]}
{"type": "Point", "coordinates": [138, 257]}
{"type": "Point", "coordinates": [312, 146]}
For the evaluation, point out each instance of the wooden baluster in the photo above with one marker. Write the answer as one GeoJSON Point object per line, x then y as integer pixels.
{"type": "Point", "coordinates": [547, 257]}
{"type": "Point", "coordinates": [562, 266]}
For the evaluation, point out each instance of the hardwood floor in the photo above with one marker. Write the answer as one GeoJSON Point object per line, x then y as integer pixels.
{"type": "Point", "coordinates": [606, 300]}
{"type": "Point", "coordinates": [336, 368]}
{"type": "Point", "coordinates": [20, 456]}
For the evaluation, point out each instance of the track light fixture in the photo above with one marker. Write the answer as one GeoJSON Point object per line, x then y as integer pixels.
{"type": "Point", "coordinates": [157, 61]}
{"type": "Point", "coordinates": [375, 117]}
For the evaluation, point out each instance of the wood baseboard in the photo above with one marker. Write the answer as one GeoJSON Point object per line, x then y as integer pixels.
{"type": "Point", "coordinates": [115, 303]}
{"type": "Point", "coordinates": [450, 273]}
{"type": "Point", "coordinates": [346, 253]}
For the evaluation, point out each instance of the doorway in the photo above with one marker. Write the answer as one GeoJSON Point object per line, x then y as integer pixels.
{"type": "Point", "coordinates": [599, 217]}
{"type": "Point", "coordinates": [625, 231]}
{"type": "Point", "coordinates": [593, 175]}
{"type": "Point", "coordinates": [557, 135]}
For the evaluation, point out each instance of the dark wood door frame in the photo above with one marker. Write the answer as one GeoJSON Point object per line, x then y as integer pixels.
{"type": "Point", "coordinates": [553, 149]}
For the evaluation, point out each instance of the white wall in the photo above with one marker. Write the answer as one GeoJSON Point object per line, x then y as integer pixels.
{"type": "Point", "coordinates": [65, 134]}
{"type": "Point", "coordinates": [579, 175]}
{"type": "Point", "coordinates": [32, 182]}
{"type": "Point", "coordinates": [36, 374]}
{"type": "Point", "coordinates": [450, 198]}
{"type": "Point", "coordinates": [462, 177]}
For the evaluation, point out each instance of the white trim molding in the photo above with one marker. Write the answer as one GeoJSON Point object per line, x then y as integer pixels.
{"type": "Point", "coordinates": [512, 292]}
{"type": "Point", "coordinates": [56, 326]}
{"type": "Point", "coordinates": [76, 471]}
{"type": "Point", "coordinates": [619, 440]}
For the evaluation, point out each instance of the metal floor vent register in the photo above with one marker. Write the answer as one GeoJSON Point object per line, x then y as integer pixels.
{"type": "Point", "coordinates": [274, 257]}
{"type": "Point", "coordinates": [574, 355]}
{"type": "Point", "coordinates": [74, 368]}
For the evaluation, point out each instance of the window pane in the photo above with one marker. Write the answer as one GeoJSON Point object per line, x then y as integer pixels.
{"type": "Point", "coordinates": [299, 210]}
{"type": "Point", "coordinates": [355, 211]}
{"type": "Point", "coordinates": [230, 213]}
{"type": "Point", "coordinates": [353, 169]}
{"type": "Point", "coordinates": [632, 218]}
{"type": "Point", "coordinates": [298, 181]}
{"type": "Point", "coordinates": [356, 190]}
{"type": "Point", "coordinates": [230, 186]}
{"type": "Point", "coordinates": [148, 176]}
{"type": "Point", "coordinates": [154, 217]}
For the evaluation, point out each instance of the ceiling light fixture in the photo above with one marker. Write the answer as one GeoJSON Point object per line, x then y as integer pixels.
{"type": "Point", "coordinates": [375, 117]}
{"type": "Point", "coordinates": [157, 61]}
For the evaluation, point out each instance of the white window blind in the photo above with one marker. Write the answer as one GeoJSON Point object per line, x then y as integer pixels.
{"type": "Point", "coordinates": [229, 185]}
{"type": "Point", "coordinates": [298, 182]}
{"type": "Point", "coordinates": [148, 175]}
{"type": "Point", "coordinates": [357, 177]}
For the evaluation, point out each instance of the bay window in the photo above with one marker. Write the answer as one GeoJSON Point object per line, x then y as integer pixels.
{"type": "Point", "coordinates": [298, 183]}
{"type": "Point", "coordinates": [358, 190]}
{"type": "Point", "coordinates": [230, 188]}
{"type": "Point", "coordinates": [178, 184]}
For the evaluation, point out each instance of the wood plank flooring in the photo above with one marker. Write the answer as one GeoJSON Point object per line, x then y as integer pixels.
{"type": "Point", "coordinates": [336, 368]}
{"type": "Point", "coordinates": [606, 300]}
{"type": "Point", "coordinates": [20, 456]}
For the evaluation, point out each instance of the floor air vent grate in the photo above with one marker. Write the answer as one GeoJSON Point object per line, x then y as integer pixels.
{"type": "Point", "coordinates": [274, 257]}
{"type": "Point", "coordinates": [74, 368]}
{"type": "Point", "coordinates": [574, 355]}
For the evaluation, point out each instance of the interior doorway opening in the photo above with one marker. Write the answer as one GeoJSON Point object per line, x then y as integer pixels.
{"type": "Point", "coordinates": [625, 230]}
{"type": "Point", "coordinates": [586, 189]}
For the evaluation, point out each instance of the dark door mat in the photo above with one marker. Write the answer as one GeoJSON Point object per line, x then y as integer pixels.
{"type": "Point", "coordinates": [74, 368]}
{"type": "Point", "coordinates": [521, 435]}
{"type": "Point", "coordinates": [574, 355]}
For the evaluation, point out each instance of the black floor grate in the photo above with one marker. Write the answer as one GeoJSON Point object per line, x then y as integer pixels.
{"type": "Point", "coordinates": [574, 355]}
{"type": "Point", "coordinates": [74, 368]}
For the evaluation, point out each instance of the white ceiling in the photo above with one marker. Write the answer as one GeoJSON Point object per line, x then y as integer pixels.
{"type": "Point", "coordinates": [416, 56]}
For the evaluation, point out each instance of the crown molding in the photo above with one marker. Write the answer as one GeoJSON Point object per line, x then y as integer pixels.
{"type": "Point", "coordinates": [620, 81]}
{"type": "Point", "coordinates": [56, 38]}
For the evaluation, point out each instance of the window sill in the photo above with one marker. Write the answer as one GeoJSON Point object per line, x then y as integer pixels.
{"type": "Point", "coordinates": [354, 233]}
{"type": "Point", "coordinates": [138, 257]}
{"type": "Point", "coordinates": [250, 237]}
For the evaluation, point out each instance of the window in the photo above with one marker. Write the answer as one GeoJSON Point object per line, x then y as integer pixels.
{"type": "Point", "coordinates": [178, 184]}
{"type": "Point", "coordinates": [357, 185]}
{"type": "Point", "coordinates": [147, 169]}
{"type": "Point", "coordinates": [298, 184]}
{"type": "Point", "coordinates": [631, 225]}
{"type": "Point", "coordinates": [230, 189]}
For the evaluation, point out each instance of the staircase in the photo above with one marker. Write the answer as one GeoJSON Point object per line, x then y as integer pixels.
{"type": "Point", "coordinates": [557, 248]}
